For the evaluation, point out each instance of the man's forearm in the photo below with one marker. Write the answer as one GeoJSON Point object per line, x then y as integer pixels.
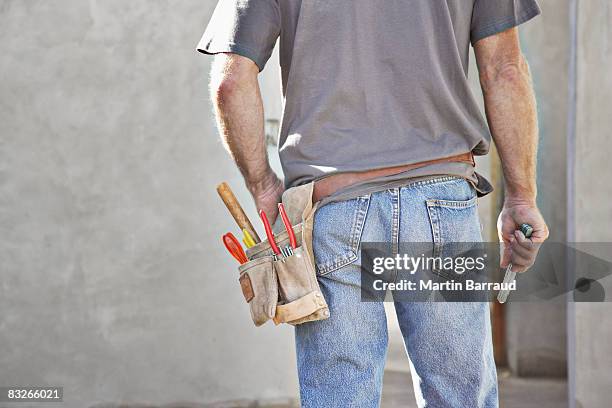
{"type": "Point", "coordinates": [239, 110]}
{"type": "Point", "coordinates": [512, 115]}
{"type": "Point", "coordinates": [511, 111]}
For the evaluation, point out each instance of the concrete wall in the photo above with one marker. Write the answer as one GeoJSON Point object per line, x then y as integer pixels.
{"type": "Point", "coordinates": [114, 283]}
{"type": "Point", "coordinates": [112, 272]}
{"type": "Point", "coordinates": [592, 192]}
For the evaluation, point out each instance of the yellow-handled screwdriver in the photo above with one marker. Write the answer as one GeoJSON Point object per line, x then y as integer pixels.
{"type": "Point", "coordinates": [247, 239]}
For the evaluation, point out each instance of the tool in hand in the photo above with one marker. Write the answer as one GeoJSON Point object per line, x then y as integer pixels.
{"type": "Point", "coordinates": [509, 276]}
{"type": "Point", "coordinates": [288, 250]}
{"type": "Point", "coordinates": [234, 207]}
{"type": "Point", "coordinates": [269, 233]}
{"type": "Point", "coordinates": [234, 247]}
{"type": "Point", "coordinates": [247, 238]}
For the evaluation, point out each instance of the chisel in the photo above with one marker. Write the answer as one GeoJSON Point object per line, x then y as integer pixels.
{"type": "Point", "coordinates": [234, 207]}
{"type": "Point", "coordinates": [509, 276]}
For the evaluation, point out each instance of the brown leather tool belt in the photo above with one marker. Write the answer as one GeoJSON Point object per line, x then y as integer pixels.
{"type": "Point", "coordinates": [330, 184]}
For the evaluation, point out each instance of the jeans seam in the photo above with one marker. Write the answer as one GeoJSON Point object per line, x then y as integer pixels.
{"type": "Point", "coordinates": [395, 199]}
{"type": "Point", "coordinates": [452, 204]}
{"type": "Point", "coordinates": [395, 219]}
{"type": "Point", "coordinates": [359, 220]}
{"type": "Point", "coordinates": [436, 180]}
{"type": "Point", "coordinates": [434, 220]}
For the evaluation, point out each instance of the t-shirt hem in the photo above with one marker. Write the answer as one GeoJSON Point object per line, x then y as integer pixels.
{"type": "Point", "coordinates": [233, 48]}
{"type": "Point", "coordinates": [504, 24]}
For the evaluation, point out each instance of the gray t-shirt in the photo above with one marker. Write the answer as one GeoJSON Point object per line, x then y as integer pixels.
{"type": "Point", "coordinates": [369, 83]}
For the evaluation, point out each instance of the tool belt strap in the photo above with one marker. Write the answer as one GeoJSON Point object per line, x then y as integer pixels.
{"type": "Point", "coordinates": [330, 184]}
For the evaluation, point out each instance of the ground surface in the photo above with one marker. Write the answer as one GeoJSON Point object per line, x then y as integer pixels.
{"type": "Point", "coordinates": [514, 392]}
{"type": "Point", "coordinates": [398, 393]}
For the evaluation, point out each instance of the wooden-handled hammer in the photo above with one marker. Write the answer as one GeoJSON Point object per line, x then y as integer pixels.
{"type": "Point", "coordinates": [234, 207]}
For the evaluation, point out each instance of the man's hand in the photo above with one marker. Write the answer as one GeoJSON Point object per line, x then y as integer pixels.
{"type": "Point", "coordinates": [267, 194]}
{"type": "Point", "coordinates": [517, 249]}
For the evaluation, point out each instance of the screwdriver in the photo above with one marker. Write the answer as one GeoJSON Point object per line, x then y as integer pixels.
{"type": "Point", "coordinates": [248, 239]}
{"type": "Point", "coordinates": [509, 276]}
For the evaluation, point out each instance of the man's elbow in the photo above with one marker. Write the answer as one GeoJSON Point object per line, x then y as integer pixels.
{"type": "Point", "coordinates": [224, 88]}
{"type": "Point", "coordinates": [230, 76]}
{"type": "Point", "coordinates": [506, 72]}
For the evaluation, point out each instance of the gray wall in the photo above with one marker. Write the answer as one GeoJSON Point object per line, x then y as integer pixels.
{"type": "Point", "coordinates": [114, 283]}
{"type": "Point", "coordinates": [592, 191]}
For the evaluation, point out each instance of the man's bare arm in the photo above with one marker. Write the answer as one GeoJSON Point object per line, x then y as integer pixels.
{"type": "Point", "coordinates": [512, 116]}
{"type": "Point", "coordinates": [239, 110]}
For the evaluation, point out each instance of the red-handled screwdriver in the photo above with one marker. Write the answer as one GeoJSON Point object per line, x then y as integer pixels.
{"type": "Point", "coordinates": [234, 247]}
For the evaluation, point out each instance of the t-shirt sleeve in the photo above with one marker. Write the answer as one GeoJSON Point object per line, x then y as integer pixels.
{"type": "Point", "coordinates": [245, 27]}
{"type": "Point", "coordinates": [490, 17]}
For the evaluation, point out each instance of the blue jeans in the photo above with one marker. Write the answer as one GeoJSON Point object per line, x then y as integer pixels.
{"type": "Point", "coordinates": [341, 359]}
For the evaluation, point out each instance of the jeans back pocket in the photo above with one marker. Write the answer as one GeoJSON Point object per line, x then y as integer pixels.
{"type": "Point", "coordinates": [337, 233]}
{"type": "Point", "coordinates": [453, 223]}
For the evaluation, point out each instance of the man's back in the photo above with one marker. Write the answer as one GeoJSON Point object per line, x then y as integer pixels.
{"type": "Point", "coordinates": [369, 84]}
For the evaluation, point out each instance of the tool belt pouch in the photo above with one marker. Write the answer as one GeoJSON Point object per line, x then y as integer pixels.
{"type": "Point", "coordinates": [301, 299]}
{"type": "Point", "coordinates": [298, 298]}
{"type": "Point", "coordinates": [260, 288]}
